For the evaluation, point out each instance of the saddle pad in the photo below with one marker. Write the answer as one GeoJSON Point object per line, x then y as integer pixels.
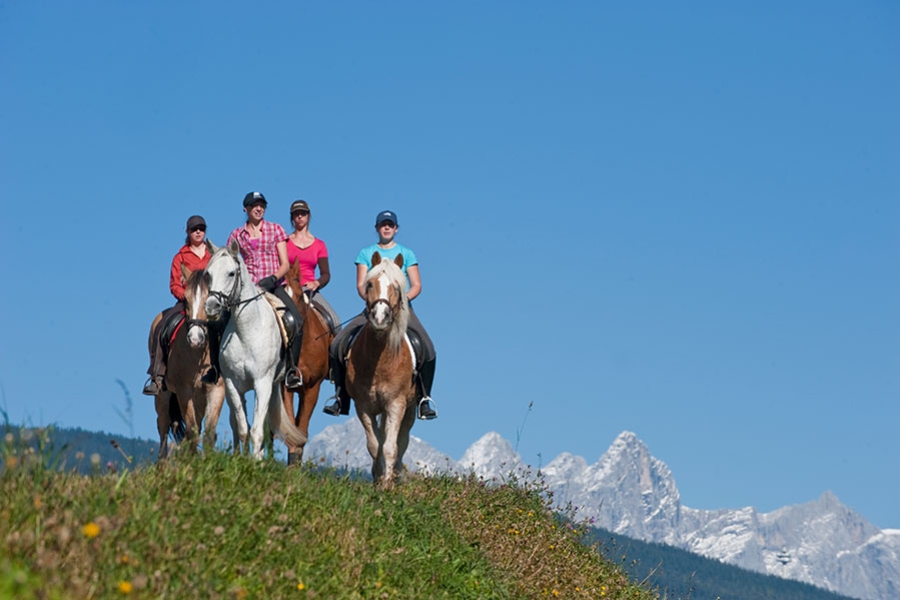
{"type": "Point", "coordinates": [277, 305]}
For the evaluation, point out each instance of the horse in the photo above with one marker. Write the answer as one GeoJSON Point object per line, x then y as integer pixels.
{"type": "Point", "coordinates": [313, 364]}
{"type": "Point", "coordinates": [187, 400]}
{"type": "Point", "coordinates": [380, 370]}
{"type": "Point", "coordinates": [250, 352]}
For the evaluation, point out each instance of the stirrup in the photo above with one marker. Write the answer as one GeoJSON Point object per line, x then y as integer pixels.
{"type": "Point", "coordinates": [153, 386]}
{"type": "Point", "coordinates": [333, 409]}
{"type": "Point", "coordinates": [424, 410]}
{"type": "Point", "coordinates": [294, 379]}
{"type": "Point", "coordinates": [211, 376]}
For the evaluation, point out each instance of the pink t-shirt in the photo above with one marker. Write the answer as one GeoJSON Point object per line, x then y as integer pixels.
{"type": "Point", "coordinates": [307, 257]}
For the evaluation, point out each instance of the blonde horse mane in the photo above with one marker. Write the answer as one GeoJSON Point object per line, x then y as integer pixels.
{"type": "Point", "coordinates": [396, 277]}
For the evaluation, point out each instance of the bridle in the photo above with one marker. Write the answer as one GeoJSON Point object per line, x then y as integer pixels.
{"type": "Point", "coordinates": [230, 300]}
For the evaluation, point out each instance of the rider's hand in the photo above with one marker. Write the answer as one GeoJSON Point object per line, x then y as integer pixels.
{"type": "Point", "coordinates": [311, 286]}
{"type": "Point", "coordinates": [268, 283]}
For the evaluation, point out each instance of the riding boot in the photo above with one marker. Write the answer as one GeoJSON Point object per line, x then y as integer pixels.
{"type": "Point", "coordinates": [212, 374]}
{"type": "Point", "coordinates": [157, 371]}
{"type": "Point", "coordinates": [426, 379]}
{"type": "Point", "coordinates": [341, 404]}
{"type": "Point", "coordinates": [294, 379]}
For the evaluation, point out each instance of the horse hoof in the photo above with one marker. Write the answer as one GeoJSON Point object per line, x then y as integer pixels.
{"type": "Point", "coordinates": [294, 458]}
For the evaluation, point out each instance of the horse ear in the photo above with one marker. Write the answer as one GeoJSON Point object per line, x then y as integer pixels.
{"type": "Point", "coordinates": [398, 260]}
{"type": "Point", "coordinates": [185, 272]}
{"type": "Point", "coordinates": [234, 248]}
{"type": "Point", "coordinates": [376, 258]}
{"type": "Point", "coordinates": [294, 270]}
{"type": "Point", "coordinates": [211, 247]}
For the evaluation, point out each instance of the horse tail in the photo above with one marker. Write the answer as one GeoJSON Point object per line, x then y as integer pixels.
{"type": "Point", "coordinates": [281, 423]}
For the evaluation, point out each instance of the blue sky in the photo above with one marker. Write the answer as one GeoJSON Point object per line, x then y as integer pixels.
{"type": "Point", "coordinates": [675, 219]}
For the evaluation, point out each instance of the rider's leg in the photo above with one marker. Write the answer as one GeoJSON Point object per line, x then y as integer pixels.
{"type": "Point", "coordinates": [292, 379]}
{"type": "Point", "coordinates": [337, 352]}
{"type": "Point", "coordinates": [214, 337]}
{"type": "Point", "coordinates": [426, 371]}
{"type": "Point", "coordinates": [157, 371]}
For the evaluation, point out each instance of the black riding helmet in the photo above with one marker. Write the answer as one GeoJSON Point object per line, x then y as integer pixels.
{"type": "Point", "coordinates": [253, 198]}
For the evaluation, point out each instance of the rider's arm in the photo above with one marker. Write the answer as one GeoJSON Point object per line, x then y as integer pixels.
{"type": "Point", "coordinates": [361, 271]}
{"type": "Point", "coordinates": [283, 265]}
{"type": "Point", "coordinates": [415, 282]}
{"type": "Point", "coordinates": [176, 285]}
{"type": "Point", "coordinates": [324, 274]}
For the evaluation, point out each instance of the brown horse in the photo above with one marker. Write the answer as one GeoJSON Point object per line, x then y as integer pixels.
{"type": "Point", "coordinates": [186, 398]}
{"type": "Point", "coordinates": [380, 371]}
{"type": "Point", "coordinates": [313, 362]}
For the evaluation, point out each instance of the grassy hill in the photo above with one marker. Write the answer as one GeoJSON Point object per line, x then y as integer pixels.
{"type": "Point", "coordinates": [220, 526]}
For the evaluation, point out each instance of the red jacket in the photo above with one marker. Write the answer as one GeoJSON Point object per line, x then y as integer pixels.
{"type": "Point", "coordinates": [190, 260]}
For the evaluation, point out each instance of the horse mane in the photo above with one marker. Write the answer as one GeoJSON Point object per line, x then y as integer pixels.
{"type": "Point", "coordinates": [396, 277]}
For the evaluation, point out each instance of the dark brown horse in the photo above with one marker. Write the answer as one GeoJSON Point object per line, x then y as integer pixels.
{"type": "Point", "coordinates": [186, 398]}
{"type": "Point", "coordinates": [380, 371]}
{"type": "Point", "coordinates": [313, 363]}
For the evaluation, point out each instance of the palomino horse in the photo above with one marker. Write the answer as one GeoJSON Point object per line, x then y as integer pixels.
{"type": "Point", "coordinates": [379, 374]}
{"type": "Point", "coordinates": [250, 353]}
{"type": "Point", "coordinates": [317, 336]}
{"type": "Point", "coordinates": [187, 399]}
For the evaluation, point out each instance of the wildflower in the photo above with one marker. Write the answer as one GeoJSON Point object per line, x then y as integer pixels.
{"type": "Point", "coordinates": [91, 530]}
{"type": "Point", "coordinates": [95, 459]}
{"type": "Point", "coordinates": [125, 587]}
{"type": "Point", "coordinates": [555, 592]}
{"type": "Point", "coordinates": [219, 530]}
{"type": "Point", "coordinates": [300, 586]}
{"type": "Point", "coordinates": [11, 462]}
{"type": "Point", "coordinates": [37, 501]}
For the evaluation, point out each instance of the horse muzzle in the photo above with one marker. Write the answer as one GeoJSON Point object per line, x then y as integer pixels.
{"type": "Point", "coordinates": [196, 335]}
{"type": "Point", "coordinates": [380, 315]}
{"type": "Point", "coordinates": [214, 308]}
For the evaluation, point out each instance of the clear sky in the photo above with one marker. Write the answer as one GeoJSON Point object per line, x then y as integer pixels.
{"type": "Point", "coordinates": [678, 219]}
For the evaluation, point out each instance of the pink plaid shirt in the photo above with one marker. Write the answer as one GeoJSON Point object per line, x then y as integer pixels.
{"type": "Point", "coordinates": [262, 260]}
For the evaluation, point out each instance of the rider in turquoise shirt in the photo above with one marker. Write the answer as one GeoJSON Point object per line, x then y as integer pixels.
{"type": "Point", "coordinates": [386, 225]}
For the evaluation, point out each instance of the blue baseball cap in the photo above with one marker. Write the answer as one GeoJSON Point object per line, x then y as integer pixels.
{"type": "Point", "coordinates": [386, 215]}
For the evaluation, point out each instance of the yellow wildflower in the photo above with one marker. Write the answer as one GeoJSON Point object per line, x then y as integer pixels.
{"type": "Point", "coordinates": [125, 587]}
{"type": "Point", "coordinates": [91, 530]}
{"type": "Point", "coordinates": [300, 586]}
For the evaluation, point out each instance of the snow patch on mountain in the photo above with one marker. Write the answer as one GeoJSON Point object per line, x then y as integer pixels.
{"type": "Point", "coordinates": [627, 490]}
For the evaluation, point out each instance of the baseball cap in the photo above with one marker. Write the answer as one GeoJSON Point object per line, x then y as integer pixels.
{"type": "Point", "coordinates": [195, 221]}
{"type": "Point", "coordinates": [253, 198]}
{"type": "Point", "coordinates": [386, 215]}
{"type": "Point", "coordinates": [299, 205]}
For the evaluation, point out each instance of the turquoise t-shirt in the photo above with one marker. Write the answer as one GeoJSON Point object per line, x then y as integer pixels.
{"type": "Point", "coordinates": [409, 257]}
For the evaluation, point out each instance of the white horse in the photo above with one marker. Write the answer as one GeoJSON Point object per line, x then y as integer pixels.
{"type": "Point", "coordinates": [250, 352]}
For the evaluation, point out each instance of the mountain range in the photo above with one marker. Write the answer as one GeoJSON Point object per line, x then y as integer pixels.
{"type": "Point", "coordinates": [632, 493]}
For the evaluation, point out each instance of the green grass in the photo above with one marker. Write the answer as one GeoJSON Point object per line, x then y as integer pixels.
{"type": "Point", "coordinates": [221, 526]}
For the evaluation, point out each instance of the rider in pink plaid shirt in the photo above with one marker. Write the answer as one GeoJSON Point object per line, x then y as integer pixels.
{"type": "Point", "coordinates": [263, 247]}
{"type": "Point", "coordinates": [260, 253]}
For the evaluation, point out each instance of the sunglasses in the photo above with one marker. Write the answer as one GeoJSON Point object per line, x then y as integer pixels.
{"type": "Point", "coordinates": [198, 228]}
{"type": "Point", "coordinates": [301, 213]}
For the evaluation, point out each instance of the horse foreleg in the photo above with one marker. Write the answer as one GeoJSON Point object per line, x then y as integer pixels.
{"type": "Point", "coordinates": [409, 419]}
{"type": "Point", "coordinates": [308, 400]}
{"type": "Point", "coordinates": [163, 423]}
{"type": "Point", "coordinates": [373, 443]}
{"type": "Point", "coordinates": [391, 422]}
{"type": "Point", "coordinates": [238, 417]}
{"type": "Point", "coordinates": [215, 398]}
{"type": "Point", "coordinates": [264, 389]}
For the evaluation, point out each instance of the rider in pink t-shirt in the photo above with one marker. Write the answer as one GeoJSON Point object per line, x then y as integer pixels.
{"type": "Point", "coordinates": [311, 254]}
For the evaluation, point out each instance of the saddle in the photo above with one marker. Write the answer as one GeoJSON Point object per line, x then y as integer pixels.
{"type": "Point", "coordinates": [168, 329]}
{"type": "Point", "coordinates": [414, 340]}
